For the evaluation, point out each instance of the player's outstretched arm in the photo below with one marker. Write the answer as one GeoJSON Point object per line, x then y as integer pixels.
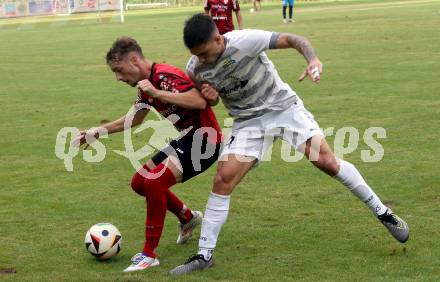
{"type": "Point", "coordinates": [303, 46]}
{"type": "Point", "coordinates": [108, 128]}
{"type": "Point", "coordinates": [191, 99]}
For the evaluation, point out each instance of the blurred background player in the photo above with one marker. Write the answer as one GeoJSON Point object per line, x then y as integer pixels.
{"type": "Point", "coordinates": [173, 95]}
{"type": "Point", "coordinates": [221, 13]}
{"type": "Point", "coordinates": [290, 3]}
{"type": "Point", "coordinates": [257, 5]}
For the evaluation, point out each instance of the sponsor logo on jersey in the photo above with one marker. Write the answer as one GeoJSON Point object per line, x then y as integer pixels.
{"type": "Point", "coordinates": [206, 75]}
{"type": "Point", "coordinates": [237, 85]}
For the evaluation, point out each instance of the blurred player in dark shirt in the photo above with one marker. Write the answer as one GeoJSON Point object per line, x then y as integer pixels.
{"type": "Point", "coordinates": [221, 13]}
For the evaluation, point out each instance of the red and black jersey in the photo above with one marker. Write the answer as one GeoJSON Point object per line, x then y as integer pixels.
{"type": "Point", "coordinates": [221, 13]}
{"type": "Point", "coordinates": [172, 79]}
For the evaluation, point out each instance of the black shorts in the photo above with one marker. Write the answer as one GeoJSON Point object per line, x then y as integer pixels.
{"type": "Point", "coordinates": [194, 160]}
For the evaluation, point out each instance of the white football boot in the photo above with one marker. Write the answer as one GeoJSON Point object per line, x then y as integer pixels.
{"type": "Point", "coordinates": [186, 230]}
{"type": "Point", "coordinates": [141, 262]}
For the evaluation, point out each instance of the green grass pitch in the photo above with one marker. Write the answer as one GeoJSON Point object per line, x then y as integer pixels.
{"type": "Point", "coordinates": [288, 221]}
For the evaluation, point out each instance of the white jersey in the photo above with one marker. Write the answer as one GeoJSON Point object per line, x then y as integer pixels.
{"type": "Point", "coordinates": [246, 79]}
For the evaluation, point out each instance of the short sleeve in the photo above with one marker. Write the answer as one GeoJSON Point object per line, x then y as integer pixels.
{"type": "Point", "coordinates": [253, 41]}
{"type": "Point", "coordinates": [177, 83]}
{"type": "Point", "coordinates": [190, 66]}
{"type": "Point", "coordinates": [170, 78]}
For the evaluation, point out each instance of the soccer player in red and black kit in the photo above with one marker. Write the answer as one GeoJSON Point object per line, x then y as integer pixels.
{"type": "Point", "coordinates": [221, 13]}
{"type": "Point", "coordinates": [173, 95]}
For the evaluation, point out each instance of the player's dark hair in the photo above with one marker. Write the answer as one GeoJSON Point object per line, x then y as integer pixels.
{"type": "Point", "coordinates": [121, 47]}
{"type": "Point", "coordinates": [198, 30]}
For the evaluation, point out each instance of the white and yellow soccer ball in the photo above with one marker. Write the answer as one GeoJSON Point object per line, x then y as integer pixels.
{"type": "Point", "coordinates": [251, 10]}
{"type": "Point", "coordinates": [103, 240]}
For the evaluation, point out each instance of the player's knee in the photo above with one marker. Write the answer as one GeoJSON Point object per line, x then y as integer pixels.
{"type": "Point", "coordinates": [223, 183]}
{"type": "Point", "coordinates": [151, 185]}
{"type": "Point", "coordinates": [137, 184]}
{"type": "Point", "coordinates": [158, 181]}
{"type": "Point", "coordinates": [223, 178]}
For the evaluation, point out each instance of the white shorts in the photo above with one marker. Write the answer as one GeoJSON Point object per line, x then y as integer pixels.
{"type": "Point", "coordinates": [254, 136]}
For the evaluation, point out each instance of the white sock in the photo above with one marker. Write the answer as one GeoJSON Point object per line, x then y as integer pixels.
{"type": "Point", "coordinates": [352, 179]}
{"type": "Point", "coordinates": [216, 213]}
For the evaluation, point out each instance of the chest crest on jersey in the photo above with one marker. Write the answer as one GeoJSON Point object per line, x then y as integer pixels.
{"type": "Point", "coordinates": [228, 63]}
{"type": "Point", "coordinates": [167, 85]}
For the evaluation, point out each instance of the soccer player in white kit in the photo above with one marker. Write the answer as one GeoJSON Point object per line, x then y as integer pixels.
{"type": "Point", "coordinates": [235, 67]}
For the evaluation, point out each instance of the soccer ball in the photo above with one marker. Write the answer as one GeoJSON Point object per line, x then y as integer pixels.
{"type": "Point", "coordinates": [251, 10]}
{"type": "Point", "coordinates": [103, 240]}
